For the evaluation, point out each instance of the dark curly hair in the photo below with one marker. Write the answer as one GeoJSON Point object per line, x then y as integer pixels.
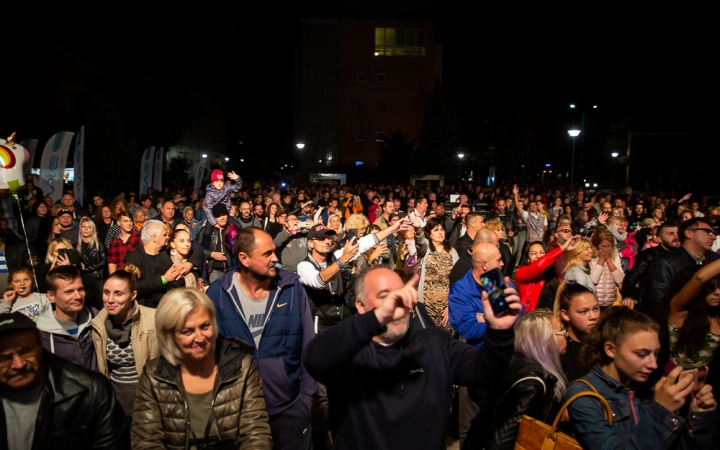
{"type": "Point", "coordinates": [691, 336]}
{"type": "Point", "coordinates": [433, 223]}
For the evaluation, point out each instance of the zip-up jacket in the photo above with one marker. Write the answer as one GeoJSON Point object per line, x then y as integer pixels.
{"type": "Point", "coordinates": [286, 332]}
{"type": "Point", "coordinates": [530, 278]}
{"type": "Point", "coordinates": [78, 350]}
{"type": "Point", "coordinates": [214, 196]}
{"type": "Point", "coordinates": [216, 236]}
{"type": "Point", "coordinates": [639, 422]}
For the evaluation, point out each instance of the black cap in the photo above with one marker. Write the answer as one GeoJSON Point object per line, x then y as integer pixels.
{"type": "Point", "coordinates": [219, 210]}
{"type": "Point", "coordinates": [16, 321]}
{"type": "Point", "coordinates": [320, 231]}
{"type": "Point", "coordinates": [64, 211]}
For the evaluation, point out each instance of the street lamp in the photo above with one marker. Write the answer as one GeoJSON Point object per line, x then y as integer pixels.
{"type": "Point", "coordinates": [615, 154]}
{"type": "Point", "coordinates": [300, 146]}
{"type": "Point", "coordinates": [303, 160]}
{"type": "Point", "coordinates": [461, 156]}
{"type": "Point", "coordinates": [204, 155]}
{"type": "Point", "coordinates": [573, 134]}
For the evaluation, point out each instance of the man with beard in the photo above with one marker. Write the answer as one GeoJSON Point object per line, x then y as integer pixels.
{"type": "Point", "coordinates": [47, 402]}
{"type": "Point", "coordinates": [634, 285]}
{"type": "Point", "coordinates": [267, 308]}
{"type": "Point", "coordinates": [696, 237]}
{"type": "Point", "coordinates": [247, 218]}
{"type": "Point", "coordinates": [384, 378]}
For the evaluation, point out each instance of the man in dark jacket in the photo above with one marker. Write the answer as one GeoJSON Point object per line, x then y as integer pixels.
{"type": "Point", "coordinates": [267, 308]}
{"type": "Point", "coordinates": [697, 237]}
{"type": "Point", "coordinates": [47, 402]}
{"type": "Point", "coordinates": [217, 253]}
{"type": "Point", "coordinates": [380, 372]}
{"type": "Point", "coordinates": [634, 285]}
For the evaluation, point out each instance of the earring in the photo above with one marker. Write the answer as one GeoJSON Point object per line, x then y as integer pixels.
{"type": "Point", "coordinates": [173, 252]}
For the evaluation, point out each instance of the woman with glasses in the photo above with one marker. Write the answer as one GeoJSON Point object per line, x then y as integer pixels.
{"type": "Point", "coordinates": [533, 276]}
{"type": "Point", "coordinates": [578, 310]}
{"type": "Point", "coordinates": [533, 385]}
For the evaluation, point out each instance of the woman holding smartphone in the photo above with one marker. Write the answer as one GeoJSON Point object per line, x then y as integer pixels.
{"type": "Point", "coordinates": [671, 414]}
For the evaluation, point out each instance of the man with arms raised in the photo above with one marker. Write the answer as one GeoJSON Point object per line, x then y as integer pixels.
{"type": "Point", "coordinates": [389, 385]}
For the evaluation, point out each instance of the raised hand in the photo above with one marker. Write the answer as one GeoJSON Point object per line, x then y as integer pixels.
{"type": "Point", "coordinates": [508, 319]}
{"type": "Point", "coordinates": [398, 303]}
{"type": "Point", "coordinates": [349, 250]}
{"type": "Point", "coordinates": [672, 390]}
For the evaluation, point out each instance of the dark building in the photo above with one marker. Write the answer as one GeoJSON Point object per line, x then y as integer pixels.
{"type": "Point", "coordinates": [357, 81]}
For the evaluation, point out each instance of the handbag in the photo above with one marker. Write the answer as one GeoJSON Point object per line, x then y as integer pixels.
{"type": "Point", "coordinates": [225, 444]}
{"type": "Point", "coordinates": [536, 435]}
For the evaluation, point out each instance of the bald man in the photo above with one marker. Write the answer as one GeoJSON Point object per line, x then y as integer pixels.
{"type": "Point", "coordinates": [467, 317]}
{"type": "Point", "coordinates": [464, 264]}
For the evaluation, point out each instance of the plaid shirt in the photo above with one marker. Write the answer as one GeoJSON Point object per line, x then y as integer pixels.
{"type": "Point", "coordinates": [118, 249]}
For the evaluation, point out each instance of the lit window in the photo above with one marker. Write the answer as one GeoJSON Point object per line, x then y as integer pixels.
{"type": "Point", "coordinates": [380, 136]}
{"type": "Point", "coordinates": [380, 77]}
{"type": "Point", "coordinates": [360, 136]}
{"type": "Point", "coordinates": [360, 77]}
{"type": "Point", "coordinates": [400, 42]}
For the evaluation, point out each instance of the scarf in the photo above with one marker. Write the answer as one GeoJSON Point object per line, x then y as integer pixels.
{"type": "Point", "coordinates": [120, 334]}
{"type": "Point", "coordinates": [620, 237]}
{"type": "Point", "coordinates": [190, 280]}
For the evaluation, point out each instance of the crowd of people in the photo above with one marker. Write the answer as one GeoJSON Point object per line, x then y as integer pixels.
{"type": "Point", "coordinates": [358, 317]}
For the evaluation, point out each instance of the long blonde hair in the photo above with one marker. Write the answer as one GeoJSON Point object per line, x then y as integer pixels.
{"type": "Point", "coordinates": [572, 260]}
{"type": "Point", "coordinates": [94, 243]}
{"type": "Point", "coordinates": [51, 248]}
{"type": "Point", "coordinates": [535, 338]}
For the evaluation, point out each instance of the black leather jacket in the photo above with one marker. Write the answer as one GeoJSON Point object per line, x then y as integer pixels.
{"type": "Point", "coordinates": [95, 259]}
{"type": "Point", "coordinates": [77, 410]}
{"type": "Point", "coordinates": [634, 283]}
{"type": "Point", "coordinates": [522, 394]}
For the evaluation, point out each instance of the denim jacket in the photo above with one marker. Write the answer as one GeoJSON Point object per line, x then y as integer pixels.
{"type": "Point", "coordinates": [638, 421]}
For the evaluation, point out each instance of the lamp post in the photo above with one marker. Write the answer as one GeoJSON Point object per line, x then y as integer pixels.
{"type": "Point", "coordinates": [573, 134]}
{"type": "Point", "coordinates": [303, 161]}
{"type": "Point", "coordinates": [461, 156]}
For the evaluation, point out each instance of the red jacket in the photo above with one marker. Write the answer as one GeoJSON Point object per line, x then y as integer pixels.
{"type": "Point", "coordinates": [529, 279]}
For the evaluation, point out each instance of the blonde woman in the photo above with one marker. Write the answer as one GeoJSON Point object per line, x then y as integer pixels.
{"type": "Point", "coordinates": [357, 222]}
{"type": "Point", "coordinates": [200, 377]}
{"type": "Point", "coordinates": [533, 384]}
{"type": "Point", "coordinates": [93, 261]}
{"type": "Point", "coordinates": [606, 268]}
{"type": "Point", "coordinates": [577, 268]}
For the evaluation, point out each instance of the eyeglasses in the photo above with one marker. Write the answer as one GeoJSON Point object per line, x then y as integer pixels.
{"type": "Point", "coordinates": [709, 231]}
{"type": "Point", "coordinates": [22, 353]}
{"type": "Point", "coordinates": [565, 230]}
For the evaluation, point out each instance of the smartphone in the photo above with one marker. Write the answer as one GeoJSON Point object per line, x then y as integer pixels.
{"type": "Point", "coordinates": [352, 234]}
{"type": "Point", "coordinates": [699, 375]}
{"type": "Point", "coordinates": [64, 253]}
{"type": "Point", "coordinates": [494, 284]}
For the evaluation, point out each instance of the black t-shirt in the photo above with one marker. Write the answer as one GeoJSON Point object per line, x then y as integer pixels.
{"type": "Point", "coordinates": [571, 363]}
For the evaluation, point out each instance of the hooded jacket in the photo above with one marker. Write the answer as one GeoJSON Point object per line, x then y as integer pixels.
{"type": "Point", "coordinates": [161, 419]}
{"type": "Point", "coordinates": [287, 331]}
{"type": "Point", "coordinates": [78, 410]}
{"type": "Point", "coordinates": [78, 350]}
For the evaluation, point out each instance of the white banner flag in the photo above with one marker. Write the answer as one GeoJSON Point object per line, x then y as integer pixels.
{"type": "Point", "coordinates": [199, 173]}
{"type": "Point", "coordinates": [158, 170]}
{"type": "Point", "coordinates": [52, 164]}
{"type": "Point", "coordinates": [146, 170]}
{"type": "Point", "coordinates": [31, 146]}
{"type": "Point", "coordinates": [79, 166]}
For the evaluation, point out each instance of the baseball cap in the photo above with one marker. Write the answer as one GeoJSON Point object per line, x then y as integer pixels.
{"type": "Point", "coordinates": [217, 175]}
{"type": "Point", "coordinates": [64, 211]}
{"type": "Point", "coordinates": [10, 322]}
{"type": "Point", "coordinates": [320, 231]}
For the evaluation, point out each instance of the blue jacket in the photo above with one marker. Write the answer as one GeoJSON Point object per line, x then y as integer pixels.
{"type": "Point", "coordinates": [465, 303]}
{"type": "Point", "coordinates": [288, 329]}
{"type": "Point", "coordinates": [639, 422]}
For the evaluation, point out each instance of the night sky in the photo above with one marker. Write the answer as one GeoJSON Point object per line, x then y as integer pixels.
{"type": "Point", "coordinates": [518, 66]}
